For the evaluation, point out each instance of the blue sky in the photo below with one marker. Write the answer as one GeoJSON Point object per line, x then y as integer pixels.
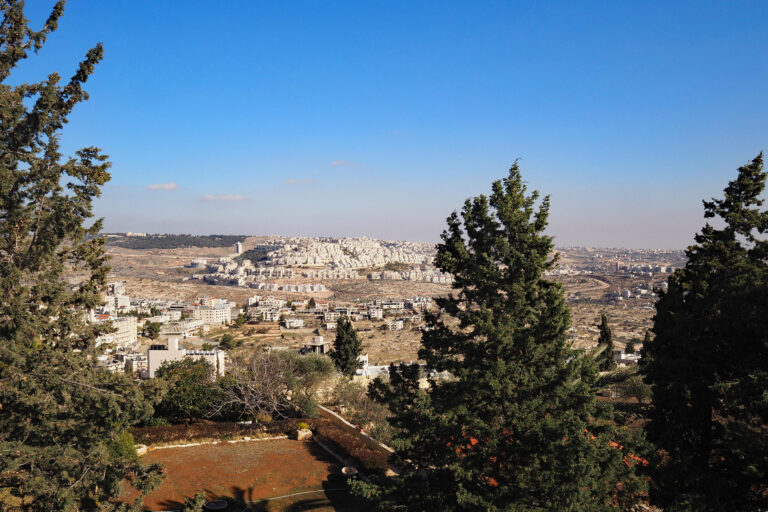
{"type": "Point", "coordinates": [379, 119]}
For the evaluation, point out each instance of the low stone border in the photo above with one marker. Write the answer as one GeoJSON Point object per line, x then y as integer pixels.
{"type": "Point", "coordinates": [220, 441]}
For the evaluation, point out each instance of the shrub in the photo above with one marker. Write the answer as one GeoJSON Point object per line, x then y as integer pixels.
{"type": "Point", "coordinates": [302, 426]}
{"type": "Point", "coordinates": [194, 504]}
{"type": "Point", "coordinates": [366, 453]}
{"type": "Point", "coordinates": [361, 410]}
{"type": "Point", "coordinates": [263, 418]}
{"type": "Point", "coordinates": [121, 447]}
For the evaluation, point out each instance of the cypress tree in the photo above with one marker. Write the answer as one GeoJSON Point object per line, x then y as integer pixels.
{"type": "Point", "coordinates": [605, 342]}
{"type": "Point", "coordinates": [514, 425]}
{"type": "Point", "coordinates": [346, 348]}
{"type": "Point", "coordinates": [61, 418]}
{"type": "Point", "coordinates": [708, 362]}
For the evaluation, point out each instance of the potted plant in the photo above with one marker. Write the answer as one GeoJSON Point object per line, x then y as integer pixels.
{"type": "Point", "coordinates": [302, 431]}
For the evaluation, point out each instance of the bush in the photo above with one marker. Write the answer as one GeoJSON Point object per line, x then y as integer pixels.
{"type": "Point", "coordinates": [194, 504]}
{"type": "Point", "coordinates": [192, 391]}
{"type": "Point", "coordinates": [191, 432]}
{"type": "Point", "coordinates": [366, 453]}
{"type": "Point", "coordinates": [121, 447]}
{"type": "Point", "coordinates": [302, 426]}
{"type": "Point", "coordinates": [263, 418]}
{"type": "Point", "coordinates": [361, 410]}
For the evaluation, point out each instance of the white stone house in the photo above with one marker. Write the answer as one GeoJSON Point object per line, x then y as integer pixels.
{"type": "Point", "coordinates": [159, 354]}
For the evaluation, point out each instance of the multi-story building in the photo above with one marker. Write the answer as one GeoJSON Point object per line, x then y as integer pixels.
{"type": "Point", "coordinates": [220, 314]}
{"type": "Point", "coordinates": [126, 335]}
{"type": "Point", "coordinates": [159, 354]}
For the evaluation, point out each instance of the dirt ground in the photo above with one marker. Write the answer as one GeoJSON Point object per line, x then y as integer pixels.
{"type": "Point", "coordinates": [252, 472]}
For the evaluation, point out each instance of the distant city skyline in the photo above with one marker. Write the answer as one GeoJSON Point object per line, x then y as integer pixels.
{"type": "Point", "coordinates": [350, 119]}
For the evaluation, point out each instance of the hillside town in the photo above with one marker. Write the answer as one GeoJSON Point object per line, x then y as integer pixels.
{"type": "Point", "coordinates": [307, 259]}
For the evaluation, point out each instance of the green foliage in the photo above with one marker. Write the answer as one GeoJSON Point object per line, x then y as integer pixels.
{"type": "Point", "coordinates": [605, 343]}
{"type": "Point", "coordinates": [346, 348]}
{"type": "Point", "coordinates": [359, 408]}
{"type": "Point", "coordinates": [707, 362]}
{"type": "Point", "coordinates": [227, 342]}
{"type": "Point", "coordinates": [156, 421]}
{"type": "Point", "coordinates": [629, 348]}
{"type": "Point", "coordinates": [121, 447]}
{"type": "Point", "coordinates": [176, 241]}
{"type": "Point", "coordinates": [208, 346]}
{"type": "Point", "coordinates": [58, 409]}
{"type": "Point", "coordinates": [301, 425]}
{"type": "Point", "coordinates": [516, 427]}
{"type": "Point", "coordinates": [312, 303]}
{"type": "Point", "coordinates": [307, 374]}
{"type": "Point", "coordinates": [195, 503]}
{"type": "Point", "coordinates": [152, 329]}
{"type": "Point", "coordinates": [240, 320]}
{"type": "Point", "coordinates": [634, 387]}
{"type": "Point", "coordinates": [256, 254]}
{"type": "Point", "coordinates": [275, 383]}
{"type": "Point", "coordinates": [192, 393]}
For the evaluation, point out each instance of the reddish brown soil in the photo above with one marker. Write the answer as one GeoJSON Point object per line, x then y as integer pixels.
{"type": "Point", "coordinates": [251, 472]}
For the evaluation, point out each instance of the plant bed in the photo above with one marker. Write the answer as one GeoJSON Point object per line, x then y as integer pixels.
{"type": "Point", "coordinates": [223, 431]}
{"type": "Point", "coordinates": [361, 451]}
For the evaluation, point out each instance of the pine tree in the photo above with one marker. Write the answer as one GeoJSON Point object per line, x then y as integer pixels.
{"type": "Point", "coordinates": [346, 348]}
{"type": "Point", "coordinates": [515, 426]}
{"type": "Point", "coordinates": [647, 337]}
{"type": "Point", "coordinates": [60, 416]}
{"type": "Point", "coordinates": [708, 362]}
{"type": "Point", "coordinates": [605, 343]}
{"type": "Point", "coordinates": [629, 348]}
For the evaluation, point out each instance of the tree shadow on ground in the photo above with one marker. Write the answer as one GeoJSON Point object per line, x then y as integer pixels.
{"type": "Point", "coordinates": [170, 505]}
{"type": "Point", "coordinates": [334, 495]}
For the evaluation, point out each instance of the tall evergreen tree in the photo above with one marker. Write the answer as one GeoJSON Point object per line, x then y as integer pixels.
{"type": "Point", "coordinates": [708, 362]}
{"type": "Point", "coordinates": [346, 348]}
{"type": "Point", "coordinates": [60, 417]}
{"type": "Point", "coordinates": [605, 343]}
{"type": "Point", "coordinates": [515, 426]}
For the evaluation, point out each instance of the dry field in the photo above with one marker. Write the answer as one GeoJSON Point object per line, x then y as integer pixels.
{"type": "Point", "coordinates": [254, 472]}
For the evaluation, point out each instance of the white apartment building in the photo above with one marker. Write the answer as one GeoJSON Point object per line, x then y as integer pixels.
{"type": "Point", "coordinates": [220, 314]}
{"type": "Point", "coordinates": [294, 323]}
{"type": "Point", "coordinates": [126, 335]}
{"type": "Point", "coordinates": [158, 354]}
{"type": "Point", "coordinates": [183, 328]}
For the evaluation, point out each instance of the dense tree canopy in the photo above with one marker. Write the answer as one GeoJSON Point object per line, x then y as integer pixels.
{"type": "Point", "coordinates": [347, 347]}
{"type": "Point", "coordinates": [515, 425]}
{"type": "Point", "coordinates": [192, 390]}
{"type": "Point", "coordinates": [61, 417]}
{"type": "Point", "coordinates": [605, 344]}
{"type": "Point", "coordinates": [708, 362]}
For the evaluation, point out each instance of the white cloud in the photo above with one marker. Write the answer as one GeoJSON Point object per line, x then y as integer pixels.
{"type": "Point", "coordinates": [223, 197]}
{"type": "Point", "coordinates": [163, 186]}
{"type": "Point", "coordinates": [337, 163]}
{"type": "Point", "coordinates": [293, 181]}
